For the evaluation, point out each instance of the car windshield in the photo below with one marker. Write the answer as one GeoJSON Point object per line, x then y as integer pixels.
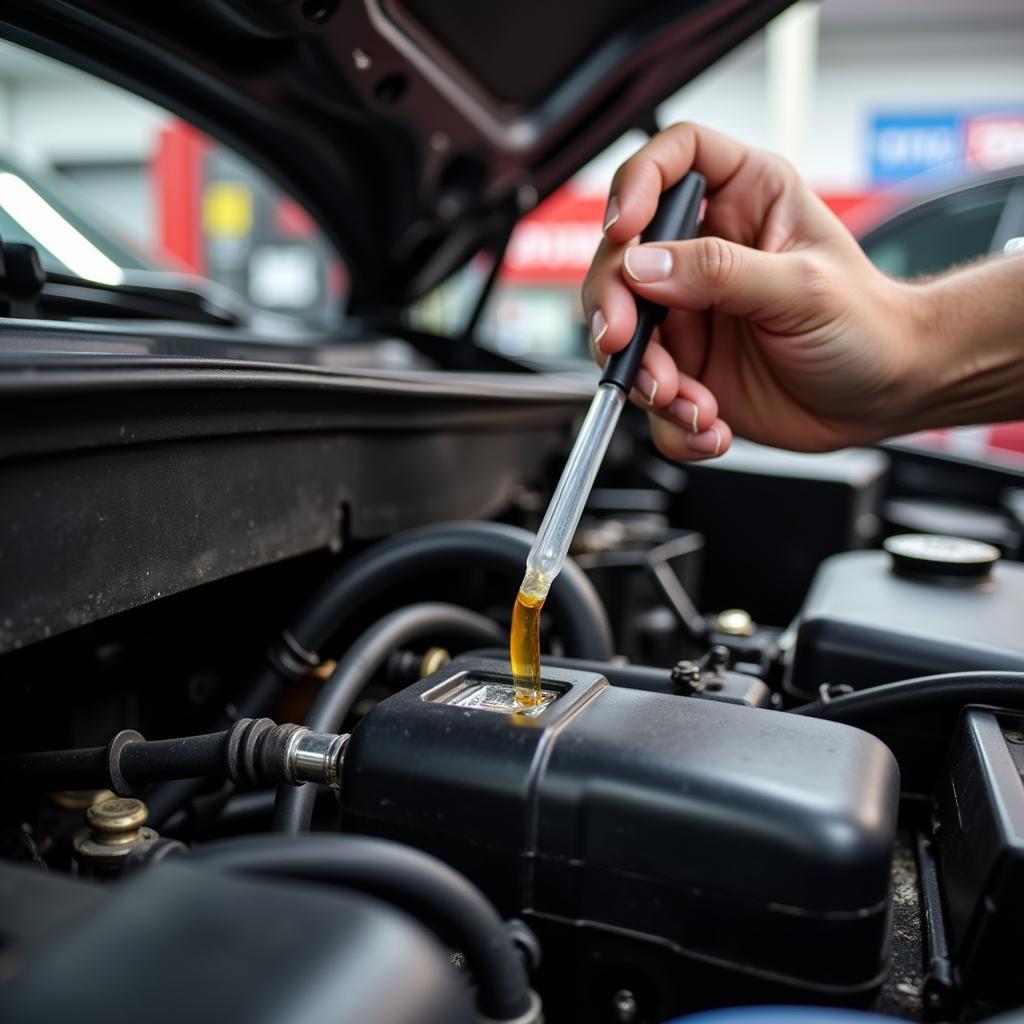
{"type": "Point", "coordinates": [42, 213]}
{"type": "Point", "coordinates": [101, 182]}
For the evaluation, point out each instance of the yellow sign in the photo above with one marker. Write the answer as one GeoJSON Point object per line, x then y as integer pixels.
{"type": "Point", "coordinates": [227, 209]}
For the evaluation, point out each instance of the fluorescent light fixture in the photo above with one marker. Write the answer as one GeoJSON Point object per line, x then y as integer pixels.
{"type": "Point", "coordinates": [43, 223]}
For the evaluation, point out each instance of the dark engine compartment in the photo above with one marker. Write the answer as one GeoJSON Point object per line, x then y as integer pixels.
{"type": "Point", "coordinates": [775, 764]}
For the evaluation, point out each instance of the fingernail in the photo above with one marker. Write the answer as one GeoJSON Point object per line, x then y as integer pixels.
{"type": "Point", "coordinates": [611, 214]}
{"type": "Point", "coordinates": [686, 412]}
{"type": "Point", "coordinates": [646, 263]}
{"type": "Point", "coordinates": [598, 327]}
{"type": "Point", "coordinates": [646, 385]}
{"type": "Point", "coordinates": [708, 442]}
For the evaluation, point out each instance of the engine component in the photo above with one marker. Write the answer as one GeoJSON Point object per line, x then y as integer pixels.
{"type": "Point", "coordinates": [658, 844]}
{"type": "Point", "coordinates": [421, 885]}
{"type": "Point", "coordinates": [293, 807]}
{"type": "Point", "coordinates": [155, 946]}
{"type": "Point", "coordinates": [581, 618]}
{"type": "Point", "coordinates": [252, 752]}
{"type": "Point", "coordinates": [867, 621]}
{"type": "Point", "coordinates": [808, 507]}
{"type": "Point", "coordinates": [980, 839]}
{"type": "Point", "coordinates": [731, 687]}
{"type": "Point", "coordinates": [114, 829]}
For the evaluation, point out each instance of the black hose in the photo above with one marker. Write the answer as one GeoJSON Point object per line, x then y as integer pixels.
{"type": "Point", "coordinates": [418, 883]}
{"type": "Point", "coordinates": [926, 693]}
{"type": "Point", "coordinates": [158, 760]}
{"type": "Point", "coordinates": [573, 602]}
{"type": "Point", "coordinates": [57, 769]}
{"type": "Point", "coordinates": [128, 762]}
{"type": "Point", "coordinates": [293, 806]}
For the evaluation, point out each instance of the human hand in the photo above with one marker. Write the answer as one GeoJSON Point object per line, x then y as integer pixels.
{"type": "Point", "coordinates": [779, 327]}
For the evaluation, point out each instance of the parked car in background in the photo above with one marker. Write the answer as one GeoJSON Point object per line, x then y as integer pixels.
{"type": "Point", "coordinates": [972, 220]}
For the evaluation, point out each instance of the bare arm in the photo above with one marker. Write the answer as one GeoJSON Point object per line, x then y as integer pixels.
{"type": "Point", "coordinates": [780, 328]}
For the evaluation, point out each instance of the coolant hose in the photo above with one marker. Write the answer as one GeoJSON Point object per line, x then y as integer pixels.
{"type": "Point", "coordinates": [293, 806]}
{"type": "Point", "coordinates": [926, 693]}
{"type": "Point", "coordinates": [418, 883]}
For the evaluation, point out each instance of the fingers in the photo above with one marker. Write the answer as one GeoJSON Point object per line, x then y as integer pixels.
{"type": "Point", "coordinates": [639, 182]}
{"type": "Point", "coordinates": [657, 382]}
{"type": "Point", "coordinates": [682, 445]}
{"type": "Point", "coordinates": [773, 288]}
{"type": "Point", "coordinates": [608, 304]}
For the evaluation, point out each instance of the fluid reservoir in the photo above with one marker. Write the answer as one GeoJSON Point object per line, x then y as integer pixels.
{"type": "Point", "coordinates": [683, 849]}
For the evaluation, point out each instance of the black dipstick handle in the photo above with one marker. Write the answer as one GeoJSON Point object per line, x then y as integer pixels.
{"type": "Point", "coordinates": [675, 219]}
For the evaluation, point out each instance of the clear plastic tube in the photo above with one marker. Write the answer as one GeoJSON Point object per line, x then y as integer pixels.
{"type": "Point", "coordinates": [548, 554]}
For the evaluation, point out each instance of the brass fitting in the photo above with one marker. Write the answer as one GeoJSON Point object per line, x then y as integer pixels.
{"type": "Point", "coordinates": [113, 828]}
{"type": "Point", "coordinates": [434, 659]}
{"type": "Point", "coordinates": [79, 799]}
{"type": "Point", "coordinates": [735, 622]}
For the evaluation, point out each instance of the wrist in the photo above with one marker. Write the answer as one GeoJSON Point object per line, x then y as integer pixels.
{"type": "Point", "coordinates": [963, 350]}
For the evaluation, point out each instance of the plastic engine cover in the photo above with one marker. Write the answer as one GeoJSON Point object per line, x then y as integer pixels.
{"type": "Point", "coordinates": [864, 624]}
{"type": "Point", "coordinates": [684, 849]}
{"type": "Point", "coordinates": [180, 943]}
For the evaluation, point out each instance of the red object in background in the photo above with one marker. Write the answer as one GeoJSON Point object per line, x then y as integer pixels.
{"type": "Point", "coordinates": [1007, 437]}
{"type": "Point", "coordinates": [995, 141]}
{"type": "Point", "coordinates": [177, 179]}
{"type": "Point", "coordinates": [291, 220]}
{"type": "Point", "coordinates": [553, 245]}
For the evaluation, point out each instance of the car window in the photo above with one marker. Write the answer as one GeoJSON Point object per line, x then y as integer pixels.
{"type": "Point", "coordinates": [940, 234]}
{"type": "Point", "coordinates": [101, 181]}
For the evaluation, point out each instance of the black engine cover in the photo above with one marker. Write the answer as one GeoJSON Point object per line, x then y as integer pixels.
{"type": "Point", "coordinates": [683, 849]}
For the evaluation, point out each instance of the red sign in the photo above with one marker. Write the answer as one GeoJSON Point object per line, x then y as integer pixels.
{"type": "Point", "coordinates": [555, 243]}
{"type": "Point", "coordinates": [995, 141]}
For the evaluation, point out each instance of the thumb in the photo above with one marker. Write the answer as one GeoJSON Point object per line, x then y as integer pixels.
{"type": "Point", "coordinates": [706, 272]}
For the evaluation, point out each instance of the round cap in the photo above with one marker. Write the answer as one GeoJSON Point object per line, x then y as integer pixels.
{"type": "Point", "coordinates": [116, 816]}
{"type": "Point", "coordinates": [924, 554]}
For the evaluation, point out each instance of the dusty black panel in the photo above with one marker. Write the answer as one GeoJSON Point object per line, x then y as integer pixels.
{"type": "Point", "coordinates": [123, 482]}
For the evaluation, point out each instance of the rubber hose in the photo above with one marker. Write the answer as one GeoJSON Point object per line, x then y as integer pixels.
{"type": "Point", "coordinates": [926, 693]}
{"type": "Point", "coordinates": [293, 806]}
{"type": "Point", "coordinates": [573, 602]}
{"type": "Point", "coordinates": [418, 883]}
{"type": "Point", "coordinates": [140, 762]}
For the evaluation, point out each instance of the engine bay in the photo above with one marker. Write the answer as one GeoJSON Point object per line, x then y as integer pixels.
{"type": "Point", "coordinates": [771, 766]}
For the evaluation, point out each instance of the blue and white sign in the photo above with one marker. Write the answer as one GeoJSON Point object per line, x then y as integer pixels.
{"type": "Point", "coordinates": [904, 145]}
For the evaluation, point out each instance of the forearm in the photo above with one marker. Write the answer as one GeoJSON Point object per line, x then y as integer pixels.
{"type": "Point", "coordinates": [969, 350]}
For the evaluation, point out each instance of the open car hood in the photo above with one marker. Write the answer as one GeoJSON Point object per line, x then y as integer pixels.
{"type": "Point", "coordinates": [415, 131]}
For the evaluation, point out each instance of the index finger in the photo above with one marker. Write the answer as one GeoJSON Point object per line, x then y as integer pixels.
{"type": "Point", "coordinates": [639, 182]}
